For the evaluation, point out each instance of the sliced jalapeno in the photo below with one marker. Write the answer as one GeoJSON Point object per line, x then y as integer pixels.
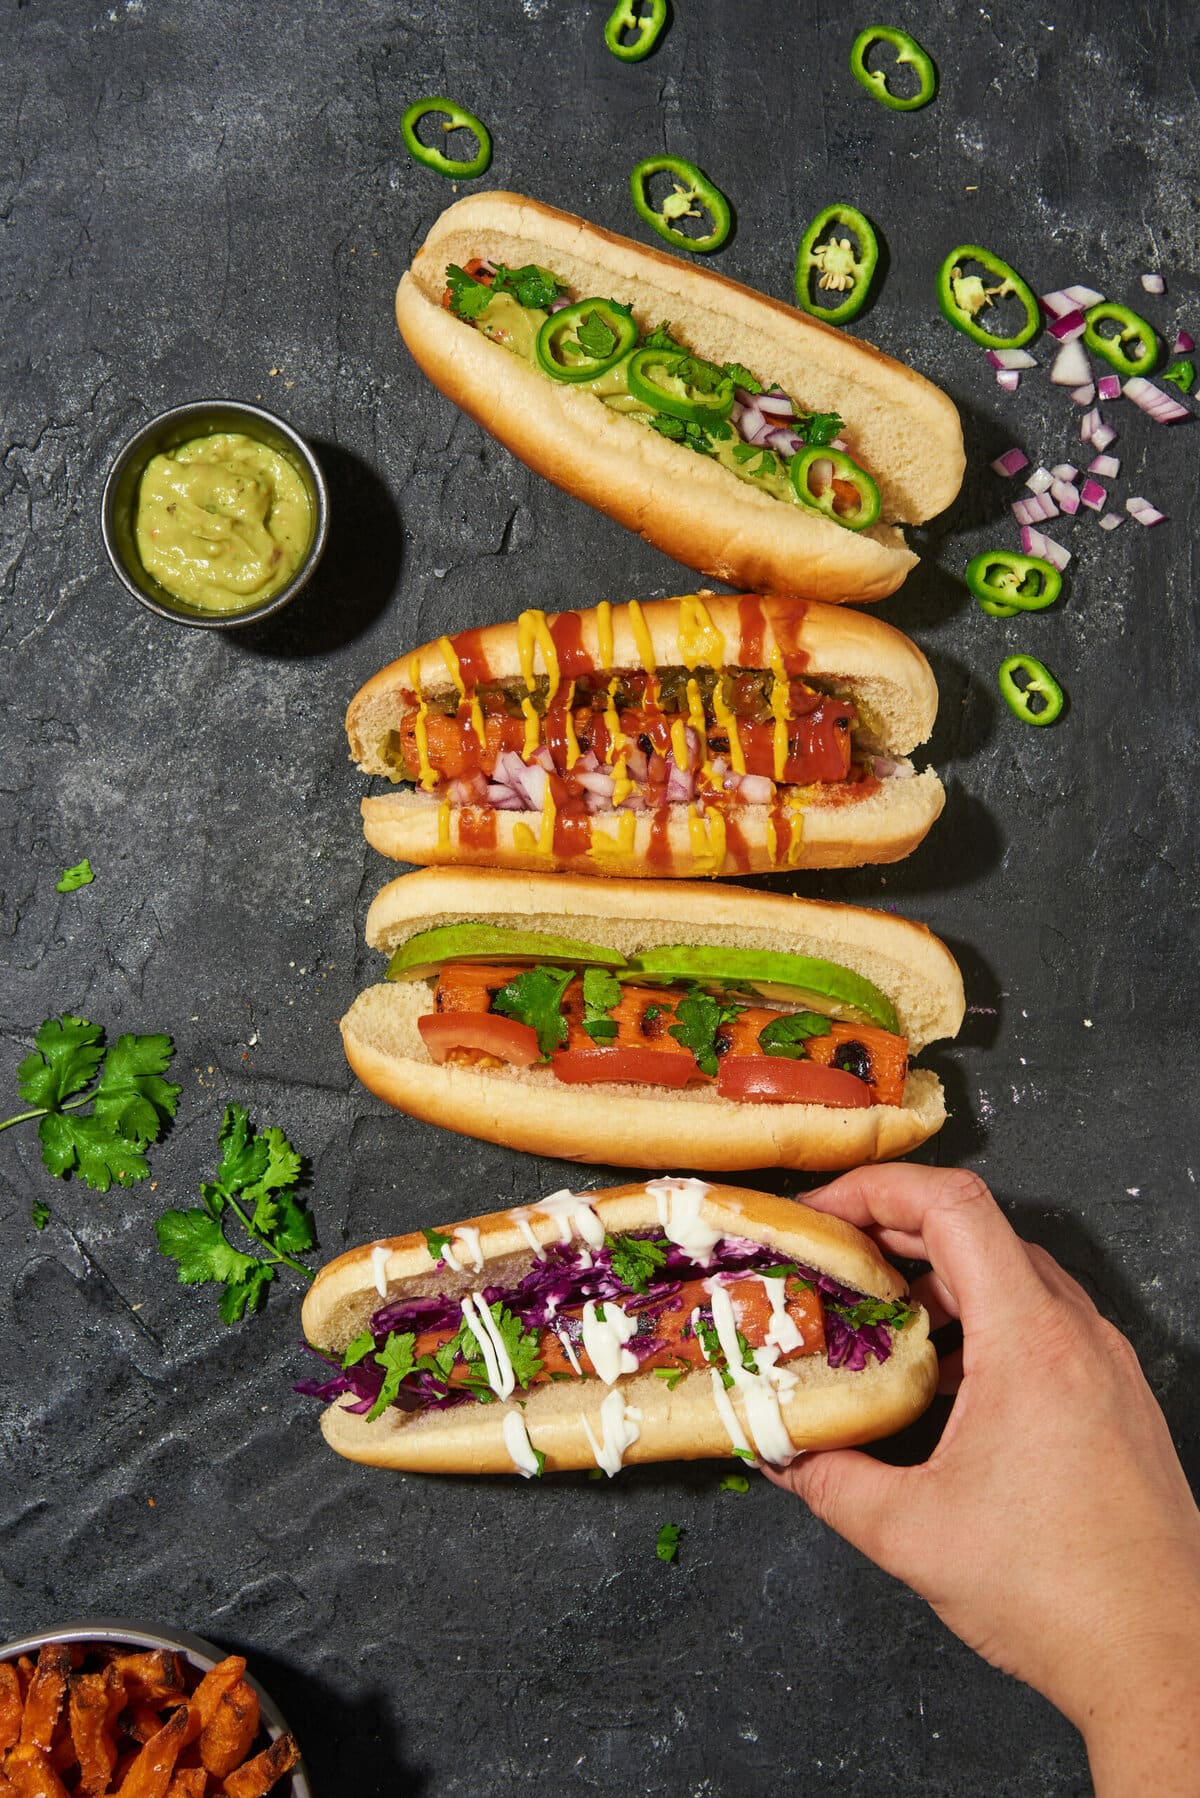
{"type": "Point", "coordinates": [1183, 374]}
{"type": "Point", "coordinates": [963, 297]}
{"type": "Point", "coordinates": [691, 186]}
{"type": "Point", "coordinates": [682, 385]}
{"type": "Point", "coordinates": [841, 269]}
{"type": "Point", "coordinates": [1037, 698]}
{"type": "Point", "coordinates": [1005, 583]}
{"type": "Point", "coordinates": [457, 117]}
{"type": "Point", "coordinates": [627, 15]}
{"type": "Point", "coordinates": [583, 341]}
{"type": "Point", "coordinates": [850, 497]}
{"type": "Point", "coordinates": [1131, 329]}
{"type": "Point", "coordinates": [909, 52]}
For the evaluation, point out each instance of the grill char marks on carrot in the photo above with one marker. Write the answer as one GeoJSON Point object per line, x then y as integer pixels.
{"type": "Point", "coordinates": [874, 1055]}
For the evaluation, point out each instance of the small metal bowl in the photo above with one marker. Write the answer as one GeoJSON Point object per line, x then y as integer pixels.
{"type": "Point", "coordinates": [200, 1653]}
{"type": "Point", "coordinates": [202, 418]}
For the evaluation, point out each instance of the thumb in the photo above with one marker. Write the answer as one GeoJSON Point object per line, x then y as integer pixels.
{"type": "Point", "coordinates": [857, 1496]}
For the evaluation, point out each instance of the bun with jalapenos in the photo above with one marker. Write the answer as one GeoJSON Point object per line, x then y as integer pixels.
{"type": "Point", "coordinates": [747, 440]}
{"type": "Point", "coordinates": [634, 1022]}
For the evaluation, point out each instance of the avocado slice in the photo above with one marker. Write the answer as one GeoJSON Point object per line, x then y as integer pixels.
{"type": "Point", "coordinates": [426, 952]}
{"type": "Point", "coordinates": [796, 979]}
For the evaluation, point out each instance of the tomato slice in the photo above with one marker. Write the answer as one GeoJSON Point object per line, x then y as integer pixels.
{"type": "Point", "coordinates": [773, 1080]}
{"type": "Point", "coordinates": [647, 1067]}
{"type": "Point", "coordinates": [442, 1032]}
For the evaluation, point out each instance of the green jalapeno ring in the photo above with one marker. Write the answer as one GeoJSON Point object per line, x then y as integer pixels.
{"type": "Point", "coordinates": [429, 154]}
{"type": "Point", "coordinates": [1039, 684]}
{"type": "Point", "coordinates": [693, 406]}
{"type": "Point", "coordinates": [961, 297]}
{"type": "Point", "coordinates": [1132, 325]}
{"type": "Point", "coordinates": [571, 319]}
{"type": "Point", "coordinates": [839, 268]}
{"type": "Point", "coordinates": [691, 184]}
{"type": "Point", "coordinates": [907, 51]}
{"type": "Point", "coordinates": [626, 16]}
{"type": "Point", "coordinates": [1004, 583]}
{"type": "Point", "coordinates": [844, 469]}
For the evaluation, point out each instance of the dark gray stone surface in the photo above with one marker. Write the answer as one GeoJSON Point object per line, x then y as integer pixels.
{"type": "Point", "coordinates": [198, 197]}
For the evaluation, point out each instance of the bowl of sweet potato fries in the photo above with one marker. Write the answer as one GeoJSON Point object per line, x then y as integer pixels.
{"type": "Point", "coordinates": [110, 1707]}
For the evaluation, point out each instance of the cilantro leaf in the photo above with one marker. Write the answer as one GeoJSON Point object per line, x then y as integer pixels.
{"type": "Point", "coordinates": [894, 1312]}
{"type": "Point", "coordinates": [201, 1252]}
{"type": "Point", "coordinates": [69, 1050]}
{"type": "Point", "coordinates": [540, 1458]}
{"type": "Point", "coordinates": [820, 428]}
{"type": "Point", "coordinates": [741, 377]}
{"type": "Point", "coordinates": [660, 339]}
{"type": "Point", "coordinates": [743, 1454]}
{"type": "Point", "coordinates": [522, 1345]}
{"type": "Point", "coordinates": [245, 1295]}
{"type": "Point", "coordinates": [787, 1034]}
{"type": "Point", "coordinates": [132, 1099]}
{"type": "Point", "coordinates": [601, 992]}
{"type": "Point", "coordinates": [468, 297]}
{"type": "Point", "coordinates": [396, 1358]}
{"type": "Point", "coordinates": [87, 1146]}
{"type": "Point", "coordinates": [39, 1211]}
{"type": "Point", "coordinates": [531, 286]}
{"type": "Point", "coordinates": [295, 1232]}
{"type": "Point", "coordinates": [596, 338]}
{"type": "Point", "coordinates": [436, 1241]}
{"type": "Point", "coordinates": [735, 1482]}
{"type": "Point", "coordinates": [667, 426]}
{"type": "Point", "coordinates": [783, 1270]}
{"type": "Point", "coordinates": [700, 1016]}
{"type": "Point", "coordinates": [72, 878]}
{"type": "Point", "coordinates": [534, 997]}
{"type": "Point", "coordinates": [667, 1545]}
{"type": "Point", "coordinates": [358, 1350]}
{"type": "Point", "coordinates": [635, 1259]}
{"type": "Point", "coordinates": [672, 1375]}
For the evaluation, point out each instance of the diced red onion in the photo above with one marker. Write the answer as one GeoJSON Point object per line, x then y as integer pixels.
{"type": "Point", "coordinates": [839, 443]}
{"type": "Point", "coordinates": [1093, 496]}
{"type": "Point", "coordinates": [1008, 378]}
{"type": "Point", "coordinates": [1039, 481]}
{"type": "Point", "coordinates": [1083, 296]}
{"type": "Point", "coordinates": [757, 430]}
{"type": "Point", "coordinates": [1058, 304]}
{"type": "Point", "coordinates": [1143, 511]}
{"type": "Point", "coordinates": [1071, 367]}
{"type": "Point", "coordinates": [1184, 341]}
{"type": "Point", "coordinates": [681, 785]}
{"type": "Point", "coordinates": [542, 756]}
{"type": "Point", "coordinates": [1091, 421]}
{"type": "Point", "coordinates": [785, 442]}
{"type": "Point", "coordinates": [1102, 436]}
{"type": "Point", "coordinates": [886, 769]}
{"type": "Point", "coordinates": [471, 790]}
{"type": "Point", "coordinates": [1034, 544]}
{"type": "Point", "coordinates": [1065, 496]}
{"type": "Point", "coordinates": [1108, 387]}
{"type": "Point", "coordinates": [637, 764]}
{"type": "Point", "coordinates": [1067, 328]}
{"type": "Point", "coordinates": [1011, 462]}
{"type": "Point", "coordinates": [1161, 407]}
{"type": "Point", "coordinates": [1154, 284]}
{"type": "Point", "coordinates": [1108, 466]}
{"type": "Point", "coordinates": [756, 789]}
{"type": "Point", "coordinates": [1034, 510]}
{"type": "Point", "coordinates": [1083, 396]}
{"type": "Point", "coordinates": [600, 784]}
{"type": "Point", "coordinates": [557, 305]}
{"type": "Point", "coordinates": [775, 405]}
{"type": "Point", "coordinates": [1110, 521]}
{"type": "Point", "coordinates": [1011, 359]}
{"type": "Point", "coordinates": [1064, 471]}
{"type": "Point", "coordinates": [503, 799]}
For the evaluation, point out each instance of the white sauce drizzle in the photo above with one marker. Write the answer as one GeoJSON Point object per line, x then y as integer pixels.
{"type": "Point", "coordinates": [605, 1337]}
{"type": "Point", "coordinates": [379, 1261]}
{"type": "Point", "coordinates": [763, 1416]}
{"type": "Point", "coordinates": [568, 1349]}
{"type": "Point", "coordinates": [783, 1331]}
{"type": "Point", "coordinates": [469, 1238]}
{"type": "Point", "coordinates": [526, 1229]}
{"type": "Point", "coordinates": [482, 1324]}
{"type": "Point", "coordinates": [694, 1321]}
{"type": "Point", "coordinates": [727, 1414]}
{"type": "Point", "coordinates": [573, 1213]}
{"type": "Point", "coordinates": [678, 1203]}
{"type": "Point", "coordinates": [516, 1441]}
{"type": "Point", "coordinates": [451, 1259]}
{"type": "Point", "coordinates": [621, 1427]}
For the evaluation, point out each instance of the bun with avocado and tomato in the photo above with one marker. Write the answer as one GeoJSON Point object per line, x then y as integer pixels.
{"type": "Point", "coordinates": [746, 439]}
{"type": "Point", "coordinates": [638, 1022]}
{"type": "Point", "coordinates": [703, 735]}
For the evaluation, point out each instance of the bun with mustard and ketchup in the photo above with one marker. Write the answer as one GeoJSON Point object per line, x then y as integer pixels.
{"type": "Point", "coordinates": [744, 438]}
{"type": "Point", "coordinates": [703, 735]}
{"type": "Point", "coordinates": [635, 1022]}
{"type": "Point", "coordinates": [670, 1321]}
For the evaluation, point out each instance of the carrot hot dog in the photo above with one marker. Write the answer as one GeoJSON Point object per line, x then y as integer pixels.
{"type": "Point", "coordinates": [672, 1320]}
{"type": "Point", "coordinates": [700, 735]}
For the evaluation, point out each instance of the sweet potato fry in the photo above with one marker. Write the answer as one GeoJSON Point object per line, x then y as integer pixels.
{"type": "Point", "coordinates": [153, 1677]}
{"type": "Point", "coordinates": [44, 1699]}
{"type": "Point", "coordinates": [150, 1774]}
{"type": "Point", "coordinates": [256, 1777]}
{"type": "Point", "coordinates": [143, 1722]}
{"type": "Point", "coordinates": [212, 1688]}
{"type": "Point", "coordinates": [11, 1705]}
{"type": "Point", "coordinates": [28, 1770]}
{"type": "Point", "coordinates": [189, 1782]}
{"type": "Point", "coordinates": [26, 1668]}
{"type": "Point", "coordinates": [95, 1749]}
{"type": "Point", "coordinates": [226, 1738]}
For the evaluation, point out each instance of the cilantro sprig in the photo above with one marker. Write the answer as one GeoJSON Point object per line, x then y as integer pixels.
{"type": "Point", "coordinates": [666, 1546]}
{"type": "Point", "coordinates": [787, 1034]}
{"type": "Point", "coordinates": [254, 1185]}
{"type": "Point", "coordinates": [635, 1259]}
{"type": "Point", "coordinates": [534, 997]}
{"type": "Point", "coordinates": [894, 1312]}
{"type": "Point", "coordinates": [700, 1016]}
{"type": "Point", "coordinates": [130, 1102]}
{"type": "Point", "coordinates": [601, 994]}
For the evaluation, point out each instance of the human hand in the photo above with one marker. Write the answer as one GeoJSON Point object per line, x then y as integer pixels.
{"type": "Point", "coordinates": [1052, 1528]}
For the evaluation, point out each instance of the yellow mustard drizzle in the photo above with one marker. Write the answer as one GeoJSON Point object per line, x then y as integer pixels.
{"type": "Point", "coordinates": [772, 842]}
{"type": "Point", "coordinates": [604, 634]}
{"type": "Point", "coordinates": [450, 657]}
{"type": "Point", "coordinates": [728, 721]}
{"type": "Point", "coordinates": [699, 638]}
{"type": "Point", "coordinates": [781, 710]}
{"type": "Point", "coordinates": [443, 836]}
{"type": "Point", "coordinates": [616, 849]}
{"type": "Point", "coordinates": [699, 724]}
{"type": "Point", "coordinates": [641, 637]}
{"type": "Point", "coordinates": [477, 723]}
{"type": "Point", "coordinates": [796, 811]}
{"type": "Point", "coordinates": [569, 728]}
{"type": "Point", "coordinates": [679, 743]}
{"type": "Point", "coordinates": [708, 840]}
{"type": "Point", "coordinates": [532, 630]}
{"type": "Point", "coordinates": [533, 728]}
{"type": "Point", "coordinates": [543, 843]}
{"type": "Point", "coordinates": [428, 778]}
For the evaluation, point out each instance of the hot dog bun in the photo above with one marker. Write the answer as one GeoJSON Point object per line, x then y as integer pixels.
{"type": "Point", "coordinates": [638, 1126]}
{"type": "Point", "coordinates": [845, 652]}
{"type": "Point", "coordinates": [900, 427]}
{"type": "Point", "coordinates": [829, 1408]}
